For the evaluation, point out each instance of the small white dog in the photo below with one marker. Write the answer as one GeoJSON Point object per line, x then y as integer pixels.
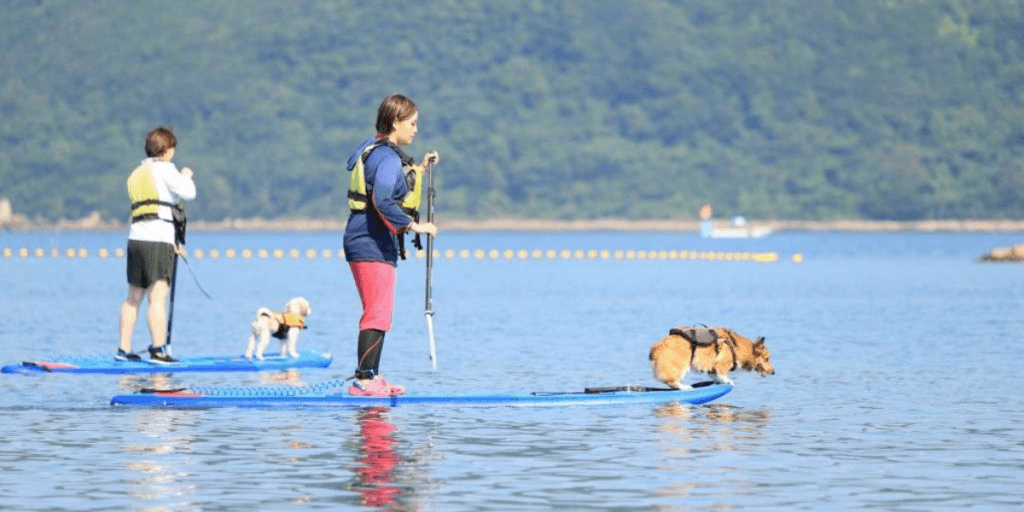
{"type": "Point", "coordinates": [284, 325]}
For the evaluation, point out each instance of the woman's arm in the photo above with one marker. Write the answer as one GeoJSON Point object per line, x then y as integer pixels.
{"type": "Point", "coordinates": [389, 177]}
{"type": "Point", "coordinates": [181, 183]}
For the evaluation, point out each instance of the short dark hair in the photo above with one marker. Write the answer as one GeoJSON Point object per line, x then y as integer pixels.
{"type": "Point", "coordinates": [394, 108]}
{"type": "Point", "coordinates": [159, 141]}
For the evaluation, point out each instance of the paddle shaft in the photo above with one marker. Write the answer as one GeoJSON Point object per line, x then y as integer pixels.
{"type": "Point", "coordinates": [179, 242]}
{"type": "Point", "coordinates": [428, 312]}
{"type": "Point", "coordinates": [170, 309]}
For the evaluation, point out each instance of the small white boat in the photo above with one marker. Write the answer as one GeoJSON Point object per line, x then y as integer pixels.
{"type": "Point", "coordinates": [737, 229]}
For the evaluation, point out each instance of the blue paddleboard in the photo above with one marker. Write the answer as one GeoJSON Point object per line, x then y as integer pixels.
{"type": "Point", "coordinates": [233, 363]}
{"type": "Point", "coordinates": [317, 397]}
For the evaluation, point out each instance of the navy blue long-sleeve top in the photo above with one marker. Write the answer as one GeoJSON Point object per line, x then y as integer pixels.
{"type": "Point", "coordinates": [371, 235]}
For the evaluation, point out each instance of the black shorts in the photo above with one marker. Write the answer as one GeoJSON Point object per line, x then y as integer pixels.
{"type": "Point", "coordinates": [149, 262]}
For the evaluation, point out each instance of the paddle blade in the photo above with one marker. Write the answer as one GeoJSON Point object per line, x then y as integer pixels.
{"type": "Point", "coordinates": [433, 346]}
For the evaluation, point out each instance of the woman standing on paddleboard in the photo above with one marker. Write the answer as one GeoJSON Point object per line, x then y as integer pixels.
{"type": "Point", "coordinates": [384, 192]}
{"type": "Point", "coordinates": [155, 189]}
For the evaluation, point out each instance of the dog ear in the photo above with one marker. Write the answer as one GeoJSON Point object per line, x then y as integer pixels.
{"type": "Point", "coordinates": [759, 342]}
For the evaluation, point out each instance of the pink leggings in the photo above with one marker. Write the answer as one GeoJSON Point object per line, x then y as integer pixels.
{"type": "Point", "coordinates": [375, 282]}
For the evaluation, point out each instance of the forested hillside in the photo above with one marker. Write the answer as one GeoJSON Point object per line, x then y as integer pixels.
{"type": "Point", "coordinates": [784, 109]}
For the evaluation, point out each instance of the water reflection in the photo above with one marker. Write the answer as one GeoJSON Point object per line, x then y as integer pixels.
{"type": "Point", "coordinates": [375, 476]}
{"type": "Point", "coordinates": [136, 382]}
{"type": "Point", "coordinates": [719, 427]}
{"type": "Point", "coordinates": [692, 434]}
{"type": "Point", "coordinates": [291, 377]}
{"type": "Point", "coordinates": [159, 456]}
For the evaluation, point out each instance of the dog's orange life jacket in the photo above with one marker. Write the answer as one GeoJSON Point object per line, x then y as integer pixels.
{"type": "Point", "coordinates": [286, 321]}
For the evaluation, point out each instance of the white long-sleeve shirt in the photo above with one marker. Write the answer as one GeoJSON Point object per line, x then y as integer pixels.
{"type": "Point", "coordinates": [171, 187]}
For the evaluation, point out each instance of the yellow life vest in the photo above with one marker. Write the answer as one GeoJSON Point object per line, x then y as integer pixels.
{"type": "Point", "coordinates": [357, 195]}
{"type": "Point", "coordinates": [285, 321]}
{"type": "Point", "coordinates": [143, 195]}
{"type": "Point", "coordinates": [290, 319]}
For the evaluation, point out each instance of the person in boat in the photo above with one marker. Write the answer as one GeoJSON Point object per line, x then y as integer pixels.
{"type": "Point", "coordinates": [155, 189]}
{"type": "Point", "coordinates": [384, 192]}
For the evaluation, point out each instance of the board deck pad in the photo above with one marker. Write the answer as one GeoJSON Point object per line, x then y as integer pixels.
{"type": "Point", "coordinates": [223, 363]}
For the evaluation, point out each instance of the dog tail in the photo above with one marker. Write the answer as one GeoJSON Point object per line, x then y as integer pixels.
{"type": "Point", "coordinates": [650, 355]}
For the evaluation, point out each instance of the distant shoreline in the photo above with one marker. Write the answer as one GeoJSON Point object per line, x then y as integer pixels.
{"type": "Point", "coordinates": [95, 223]}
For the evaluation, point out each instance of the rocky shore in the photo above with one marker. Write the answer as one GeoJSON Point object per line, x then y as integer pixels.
{"type": "Point", "coordinates": [1015, 253]}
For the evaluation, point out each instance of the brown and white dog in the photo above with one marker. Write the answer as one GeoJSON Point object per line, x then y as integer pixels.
{"type": "Point", "coordinates": [284, 325]}
{"type": "Point", "coordinates": [715, 350]}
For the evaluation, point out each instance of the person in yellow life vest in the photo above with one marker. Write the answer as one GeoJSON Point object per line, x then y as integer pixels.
{"type": "Point", "coordinates": [384, 190]}
{"type": "Point", "coordinates": [155, 189]}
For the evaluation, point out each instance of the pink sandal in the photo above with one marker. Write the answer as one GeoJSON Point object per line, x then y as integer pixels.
{"type": "Point", "coordinates": [375, 387]}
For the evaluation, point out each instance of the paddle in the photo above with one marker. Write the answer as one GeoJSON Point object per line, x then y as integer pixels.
{"type": "Point", "coordinates": [620, 389]}
{"type": "Point", "coordinates": [428, 312]}
{"type": "Point", "coordinates": [179, 241]}
{"type": "Point", "coordinates": [170, 311]}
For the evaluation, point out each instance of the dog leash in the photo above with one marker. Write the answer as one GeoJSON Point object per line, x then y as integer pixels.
{"type": "Point", "coordinates": [194, 278]}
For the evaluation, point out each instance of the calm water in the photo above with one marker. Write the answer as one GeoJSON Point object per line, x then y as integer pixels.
{"type": "Point", "coordinates": [896, 384]}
